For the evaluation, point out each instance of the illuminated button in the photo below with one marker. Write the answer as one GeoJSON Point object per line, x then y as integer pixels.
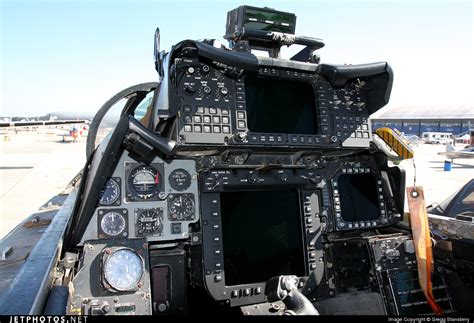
{"type": "Point", "coordinates": [312, 266]}
{"type": "Point", "coordinates": [353, 135]}
{"type": "Point", "coordinates": [279, 138]}
{"type": "Point", "coordinates": [271, 138]}
{"type": "Point", "coordinates": [200, 109]}
{"type": "Point", "coordinates": [212, 110]}
{"type": "Point", "coordinates": [215, 213]}
{"type": "Point", "coordinates": [214, 202]}
{"type": "Point", "coordinates": [302, 139]}
{"type": "Point", "coordinates": [337, 125]}
{"type": "Point", "coordinates": [240, 105]}
{"type": "Point", "coordinates": [362, 224]}
{"type": "Point", "coordinates": [197, 118]}
{"type": "Point", "coordinates": [294, 139]}
{"type": "Point", "coordinates": [337, 117]}
{"type": "Point", "coordinates": [246, 291]}
{"type": "Point", "coordinates": [217, 239]}
{"type": "Point", "coordinates": [217, 278]}
{"type": "Point", "coordinates": [258, 290]}
{"type": "Point", "coordinates": [374, 223]}
{"type": "Point", "coordinates": [241, 124]}
{"type": "Point", "coordinates": [187, 119]}
{"type": "Point", "coordinates": [197, 128]}
{"type": "Point", "coordinates": [235, 293]}
{"type": "Point", "coordinates": [262, 138]}
{"type": "Point", "coordinates": [357, 119]}
{"type": "Point", "coordinates": [216, 129]}
{"type": "Point", "coordinates": [352, 126]}
{"type": "Point", "coordinates": [253, 138]}
{"type": "Point", "coordinates": [240, 115]}
{"type": "Point", "coordinates": [356, 225]}
{"type": "Point", "coordinates": [365, 127]}
{"type": "Point", "coordinates": [188, 128]}
{"type": "Point", "coordinates": [240, 97]}
{"type": "Point", "coordinates": [207, 129]}
{"type": "Point", "coordinates": [345, 126]}
{"type": "Point", "coordinates": [224, 112]}
{"type": "Point", "coordinates": [225, 120]}
{"type": "Point", "coordinates": [216, 119]}
{"type": "Point", "coordinates": [325, 129]}
{"type": "Point", "coordinates": [239, 88]}
{"type": "Point", "coordinates": [344, 117]}
{"type": "Point", "coordinates": [351, 119]}
{"type": "Point", "coordinates": [206, 119]}
{"type": "Point", "coordinates": [187, 109]}
{"type": "Point", "coordinates": [350, 225]}
{"type": "Point", "coordinates": [225, 129]}
{"type": "Point", "coordinates": [309, 220]}
{"type": "Point", "coordinates": [323, 111]}
{"type": "Point", "coordinates": [366, 135]}
{"type": "Point", "coordinates": [324, 120]}
{"type": "Point", "coordinates": [217, 252]}
{"type": "Point", "coordinates": [218, 265]}
{"type": "Point", "coordinates": [215, 226]}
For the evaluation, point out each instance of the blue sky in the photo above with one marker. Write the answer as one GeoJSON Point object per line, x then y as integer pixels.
{"type": "Point", "coordinates": [74, 55]}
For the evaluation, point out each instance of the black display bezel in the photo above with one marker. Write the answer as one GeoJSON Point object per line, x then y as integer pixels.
{"type": "Point", "coordinates": [309, 199]}
{"type": "Point", "coordinates": [340, 224]}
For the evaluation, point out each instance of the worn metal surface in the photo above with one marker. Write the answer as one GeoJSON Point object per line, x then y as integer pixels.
{"type": "Point", "coordinates": [25, 286]}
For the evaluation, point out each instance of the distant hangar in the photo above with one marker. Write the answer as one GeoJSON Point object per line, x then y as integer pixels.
{"type": "Point", "coordinates": [415, 120]}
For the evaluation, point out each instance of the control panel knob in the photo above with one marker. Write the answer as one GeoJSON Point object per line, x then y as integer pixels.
{"type": "Point", "coordinates": [252, 178]}
{"type": "Point", "coordinates": [224, 90]}
{"type": "Point", "coordinates": [205, 69]}
{"type": "Point", "coordinates": [207, 89]}
{"type": "Point", "coordinates": [282, 177]}
{"type": "Point", "coordinates": [190, 70]}
{"type": "Point", "coordinates": [189, 89]}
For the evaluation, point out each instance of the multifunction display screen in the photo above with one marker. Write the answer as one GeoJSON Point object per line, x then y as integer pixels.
{"type": "Point", "coordinates": [358, 194]}
{"type": "Point", "coordinates": [280, 106]}
{"type": "Point", "coordinates": [262, 235]}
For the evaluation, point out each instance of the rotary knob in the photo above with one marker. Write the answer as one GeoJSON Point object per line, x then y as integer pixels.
{"type": "Point", "coordinates": [282, 177]}
{"type": "Point", "coordinates": [189, 89]}
{"type": "Point", "coordinates": [205, 69]}
{"type": "Point", "coordinates": [207, 89]}
{"type": "Point", "coordinates": [252, 178]}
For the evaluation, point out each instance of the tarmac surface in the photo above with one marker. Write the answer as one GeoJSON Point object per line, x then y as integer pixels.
{"type": "Point", "coordinates": [35, 166]}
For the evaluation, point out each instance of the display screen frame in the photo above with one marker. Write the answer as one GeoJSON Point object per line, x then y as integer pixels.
{"type": "Point", "coordinates": [269, 96]}
{"type": "Point", "coordinates": [297, 250]}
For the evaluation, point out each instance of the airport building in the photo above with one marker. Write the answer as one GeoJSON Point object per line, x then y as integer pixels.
{"type": "Point", "coordinates": [414, 120]}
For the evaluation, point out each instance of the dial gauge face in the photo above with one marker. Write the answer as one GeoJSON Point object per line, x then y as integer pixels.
{"type": "Point", "coordinates": [110, 193]}
{"type": "Point", "coordinates": [112, 223]}
{"type": "Point", "coordinates": [181, 207]}
{"type": "Point", "coordinates": [149, 221]}
{"type": "Point", "coordinates": [180, 179]}
{"type": "Point", "coordinates": [145, 182]}
{"type": "Point", "coordinates": [123, 269]}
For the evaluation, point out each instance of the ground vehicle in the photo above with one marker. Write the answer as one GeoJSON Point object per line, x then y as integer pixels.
{"type": "Point", "coordinates": [247, 168]}
{"type": "Point", "coordinates": [437, 137]}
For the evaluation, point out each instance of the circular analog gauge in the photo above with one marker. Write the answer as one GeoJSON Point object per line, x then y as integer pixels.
{"type": "Point", "coordinates": [112, 223]}
{"type": "Point", "coordinates": [181, 207]}
{"type": "Point", "coordinates": [110, 193]}
{"type": "Point", "coordinates": [123, 269]}
{"type": "Point", "coordinates": [145, 182]}
{"type": "Point", "coordinates": [180, 179]}
{"type": "Point", "coordinates": [149, 221]}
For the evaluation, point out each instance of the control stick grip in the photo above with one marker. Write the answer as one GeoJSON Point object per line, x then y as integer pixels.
{"type": "Point", "coordinates": [284, 288]}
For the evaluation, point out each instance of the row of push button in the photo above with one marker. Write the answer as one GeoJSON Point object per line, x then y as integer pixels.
{"type": "Point", "coordinates": [205, 110]}
{"type": "Point", "coordinates": [206, 129]}
{"type": "Point", "coordinates": [246, 292]}
{"type": "Point", "coordinates": [206, 119]}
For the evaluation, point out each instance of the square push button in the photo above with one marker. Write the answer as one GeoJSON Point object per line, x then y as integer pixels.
{"type": "Point", "coordinates": [176, 228]}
